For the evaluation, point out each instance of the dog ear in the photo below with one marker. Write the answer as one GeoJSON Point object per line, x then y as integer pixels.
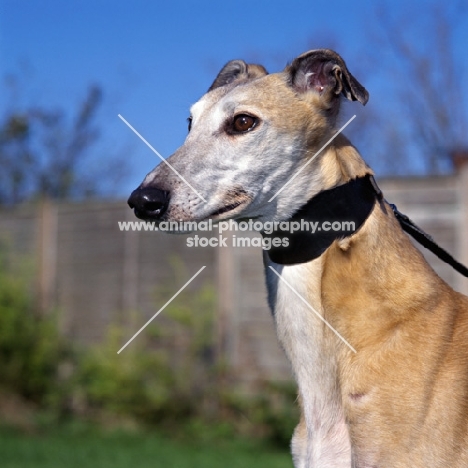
{"type": "Point", "coordinates": [237, 70]}
{"type": "Point", "coordinates": [325, 71]}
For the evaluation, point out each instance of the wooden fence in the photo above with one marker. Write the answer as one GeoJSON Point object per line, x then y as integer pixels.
{"type": "Point", "coordinates": [96, 274]}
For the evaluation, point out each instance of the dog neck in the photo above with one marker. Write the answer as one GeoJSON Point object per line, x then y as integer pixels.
{"type": "Point", "coordinates": [347, 206]}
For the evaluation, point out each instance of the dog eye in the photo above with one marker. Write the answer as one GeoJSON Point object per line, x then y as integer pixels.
{"type": "Point", "coordinates": [189, 122]}
{"type": "Point", "coordinates": [243, 123]}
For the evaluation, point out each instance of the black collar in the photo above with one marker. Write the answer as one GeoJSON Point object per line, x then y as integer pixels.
{"type": "Point", "coordinates": [351, 202]}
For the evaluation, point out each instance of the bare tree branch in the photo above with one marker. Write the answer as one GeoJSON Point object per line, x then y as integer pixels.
{"type": "Point", "coordinates": [425, 79]}
{"type": "Point", "coordinates": [43, 154]}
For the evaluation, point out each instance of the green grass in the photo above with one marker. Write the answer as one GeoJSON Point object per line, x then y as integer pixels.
{"type": "Point", "coordinates": [89, 449]}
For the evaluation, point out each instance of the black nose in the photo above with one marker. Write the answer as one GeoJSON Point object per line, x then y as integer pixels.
{"type": "Point", "coordinates": [149, 203]}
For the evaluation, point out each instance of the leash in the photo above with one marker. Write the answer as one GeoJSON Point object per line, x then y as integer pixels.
{"type": "Point", "coordinates": [420, 236]}
{"type": "Point", "coordinates": [427, 241]}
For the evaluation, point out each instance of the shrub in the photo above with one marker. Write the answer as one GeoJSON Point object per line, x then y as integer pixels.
{"type": "Point", "coordinates": [169, 377]}
{"type": "Point", "coordinates": [30, 344]}
{"type": "Point", "coordinates": [166, 374]}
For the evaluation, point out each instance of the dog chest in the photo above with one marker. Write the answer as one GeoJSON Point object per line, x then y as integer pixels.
{"type": "Point", "coordinates": [294, 297]}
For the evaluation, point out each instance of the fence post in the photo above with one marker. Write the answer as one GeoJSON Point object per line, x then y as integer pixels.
{"type": "Point", "coordinates": [460, 160]}
{"type": "Point", "coordinates": [47, 271]}
{"type": "Point", "coordinates": [463, 236]}
{"type": "Point", "coordinates": [129, 289]}
{"type": "Point", "coordinates": [226, 286]}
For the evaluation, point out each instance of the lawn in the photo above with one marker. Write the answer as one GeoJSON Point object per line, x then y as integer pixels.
{"type": "Point", "coordinates": [68, 449]}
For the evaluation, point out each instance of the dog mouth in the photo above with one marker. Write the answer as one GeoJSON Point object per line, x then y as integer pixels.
{"type": "Point", "coordinates": [226, 209]}
{"type": "Point", "coordinates": [234, 202]}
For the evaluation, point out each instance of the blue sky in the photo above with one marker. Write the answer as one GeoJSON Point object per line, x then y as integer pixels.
{"type": "Point", "coordinates": [154, 59]}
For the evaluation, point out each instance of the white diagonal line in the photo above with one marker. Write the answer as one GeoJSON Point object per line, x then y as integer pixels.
{"type": "Point", "coordinates": [312, 309]}
{"type": "Point", "coordinates": [161, 309]}
{"type": "Point", "coordinates": [312, 158]}
{"type": "Point", "coordinates": [160, 157]}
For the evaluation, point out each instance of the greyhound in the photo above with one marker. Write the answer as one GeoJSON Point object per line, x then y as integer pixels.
{"type": "Point", "coordinates": [398, 396]}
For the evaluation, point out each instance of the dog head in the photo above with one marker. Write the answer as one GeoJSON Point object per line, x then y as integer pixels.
{"type": "Point", "coordinates": [248, 136]}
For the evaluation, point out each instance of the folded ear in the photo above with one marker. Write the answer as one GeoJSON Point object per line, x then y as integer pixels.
{"type": "Point", "coordinates": [237, 71]}
{"type": "Point", "coordinates": [325, 72]}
